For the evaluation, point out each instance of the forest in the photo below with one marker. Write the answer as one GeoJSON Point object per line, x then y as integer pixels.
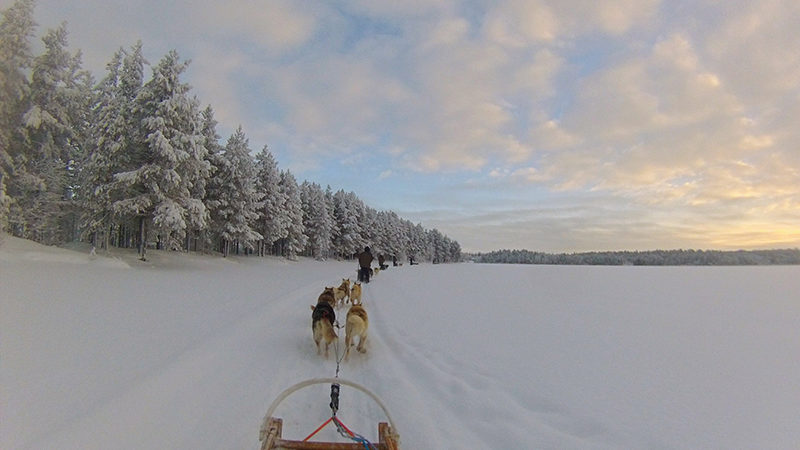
{"type": "Point", "coordinates": [133, 162]}
{"type": "Point", "coordinates": [644, 258]}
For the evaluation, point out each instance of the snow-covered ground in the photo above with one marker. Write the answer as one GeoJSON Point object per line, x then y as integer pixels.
{"type": "Point", "coordinates": [187, 352]}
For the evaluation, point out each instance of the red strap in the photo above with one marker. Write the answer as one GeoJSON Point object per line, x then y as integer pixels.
{"type": "Point", "coordinates": [317, 430]}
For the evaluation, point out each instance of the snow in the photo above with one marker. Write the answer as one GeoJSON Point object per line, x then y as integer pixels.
{"type": "Point", "coordinates": [185, 351]}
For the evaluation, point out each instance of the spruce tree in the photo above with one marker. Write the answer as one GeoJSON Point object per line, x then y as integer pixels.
{"type": "Point", "coordinates": [16, 31]}
{"type": "Point", "coordinates": [170, 160]}
{"type": "Point", "coordinates": [213, 186]}
{"type": "Point", "coordinates": [346, 234]}
{"type": "Point", "coordinates": [239, 200]}
{"type": "Point", "coordinates": [270, 223]}
{"type": "Point", "coordinates": [317, 221]}
{"type": "Point", "coordinates": [52, 126]}
{"type": "Point", "coordinates": [295, 239]}
{"type": "Point", "coordinates": [116, 143]}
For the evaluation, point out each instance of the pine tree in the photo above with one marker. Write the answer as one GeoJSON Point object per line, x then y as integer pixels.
{"type": "Point", "coordinates": [368, 225]}
{"type": "Point", "coordinates": [213, 187]}
{"type": "Point", "coordinates": [317, 221]}
{"type": "Point", "coordinates": [347, 211]}
{"type": "Point", "coordinates": [97, 172]}
{"type": "Point", "coordinates": [16, 30]}
{"type": "Point", "coordinates": [329, 206]}
{"type": "Point", "coordinates": [171, 159]}
{"type": "Point", "coordinates": [270, 224]}
{"type": "Point", "coordinates": [116, 136]}
{"type": "Point", "coordinates": [53, 128]}
{"type": "Point", "coordinates": [295, 239]}
{"type": "Point", "coordinates": [239, 200]}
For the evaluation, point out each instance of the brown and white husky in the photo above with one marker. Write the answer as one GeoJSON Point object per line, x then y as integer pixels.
{"type": "Point", "coordinates": [356, 326]}
{"type": "Point", "coordinates": [322, 319]}
{"type": "Point", "coordinates": [355, 293]}
{"type": "Point", "coordinates": [342, 292]}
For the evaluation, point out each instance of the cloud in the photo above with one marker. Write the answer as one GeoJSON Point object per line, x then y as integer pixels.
{"type": "Point", "coordinates": [279, 26]}
{"type": "Point", "coordinates": [624, 119]}
{"type": "Point", "coordinates": [755, 48]}
{"type": "Point", "coordinates": [521, 23]}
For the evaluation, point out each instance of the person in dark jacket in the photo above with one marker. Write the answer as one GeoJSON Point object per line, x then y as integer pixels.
{"type": "Point", "coordinates": [364, 263]}
{"type": "Point", "coordinates": [381, 262]}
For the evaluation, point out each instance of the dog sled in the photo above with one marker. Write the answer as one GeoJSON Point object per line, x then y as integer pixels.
{"type": "Point", "coordinates": [272, 427]}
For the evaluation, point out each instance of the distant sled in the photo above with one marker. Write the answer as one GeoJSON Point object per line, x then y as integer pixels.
{"type": "Point", "coordinates": [271, 427]}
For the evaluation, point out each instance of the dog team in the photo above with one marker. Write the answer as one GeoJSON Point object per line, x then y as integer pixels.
{"type": "Point", "coordinates": [323, 318]}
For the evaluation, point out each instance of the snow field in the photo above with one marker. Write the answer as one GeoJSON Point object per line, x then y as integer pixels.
{"type": "Point", "coordinates": [189, 352]}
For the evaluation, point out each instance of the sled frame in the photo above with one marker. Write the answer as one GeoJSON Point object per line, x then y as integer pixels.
{"type": "Point", "coordinates": [272, 427]}
{"type": "Point", "coordinates": [274, 441]}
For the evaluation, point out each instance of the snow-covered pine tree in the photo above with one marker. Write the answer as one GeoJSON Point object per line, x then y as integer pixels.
{"type": "Point", "coordinates": [159, 186]}
{"type": "Point", "coordinates": [16, 31]}
{"type": "Point", "coordinates": [116, 142]}
{"type": "Point", "coordinates": [417, 242]}
{"type": "Point", "coordinates": [97, 172]}
{"type": "Point", "coordinates": [369, 230]}
{"type": "Point", "coordinates": [295, 239]}
{"type": "Point", "coordinates": [334, 225]}
{"type": "Point", "coordinates": [347, 210]}
{"type": "Point", "coordinates": [437, 248]}
{"type": "Point", "coordinates": [213, 187]}
{"type": "Point", "coordinates": [52, 141]}
{"type": "Point", "coordinates": [317, 221]}
{"type": "Point", "coordinates": [199, 172]}
{"type": "Point", "coordinates": [392, 236]}
{"type": "Point", "coordinates": [81, 98]}
{"type": "Point", "coordinates": [271, 222]}
{"type": "Point", "coordinates": [239, 200]}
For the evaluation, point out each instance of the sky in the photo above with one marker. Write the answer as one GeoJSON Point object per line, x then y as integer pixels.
{"type": "Point", "coordinates": [563, 125]}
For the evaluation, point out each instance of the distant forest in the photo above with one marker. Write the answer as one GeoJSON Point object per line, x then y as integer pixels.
{"type": "Point", "coordinates": [644, 258]}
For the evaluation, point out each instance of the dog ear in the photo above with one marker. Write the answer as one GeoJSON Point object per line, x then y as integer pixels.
{"type": "Point", "coordinates": [313, 308]}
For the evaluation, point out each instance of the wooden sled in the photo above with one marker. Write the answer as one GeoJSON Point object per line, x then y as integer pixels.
{"type": "Point", "coordinates": [273, 441]}
{"type": "Point", "coordinates": [272, 427]}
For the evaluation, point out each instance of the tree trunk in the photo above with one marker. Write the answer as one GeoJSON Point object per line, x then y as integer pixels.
{"type": "Point", "coordinates": [142, 238]}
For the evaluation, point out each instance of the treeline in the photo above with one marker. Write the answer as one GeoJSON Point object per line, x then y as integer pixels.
{"type": "Point", "coordinates": [644, 258]}
{"type": "Point", "coordinates": [132, 162]}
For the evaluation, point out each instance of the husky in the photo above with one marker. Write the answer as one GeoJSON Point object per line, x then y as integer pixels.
{"type": "Point", "coordinates": [355, 293]}
{"type": "Point", "coordinates": [322, 320]}
{"type": "Point", "coordinates": [342, 292]}
{"type": "Point", "coordinates": [357, 324]}
{"type": "Point", "coordinates": [327, 295]}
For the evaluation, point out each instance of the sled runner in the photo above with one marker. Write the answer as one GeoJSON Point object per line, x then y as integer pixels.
{"type": "Point", "coordinates": [272, 427]}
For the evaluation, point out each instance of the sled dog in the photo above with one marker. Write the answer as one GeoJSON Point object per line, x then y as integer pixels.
{"type": "Point", "coordinates": [342, 292]}
{"type": "Point", "coordinates": [357, 324]}
{"type": "Point", "coordinates": [322, 319]}
{"type": "Point", "coordinates": [327, 295]}
{"type": "Point", "coordinates": [355, 293]}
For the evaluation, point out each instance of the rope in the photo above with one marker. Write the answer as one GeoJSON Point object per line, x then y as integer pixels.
{"type": "Point", "coordinates": [336, 349]}
{"type": "Point", "coordinates": [317, 430]}
{"type": "Point", "coordinates": [345, 432]}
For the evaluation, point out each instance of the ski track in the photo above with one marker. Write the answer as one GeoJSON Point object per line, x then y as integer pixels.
{"type": "Point", "coordinates": [461, 385]}
{"type": "Point", "coordinates": [283, 318]}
